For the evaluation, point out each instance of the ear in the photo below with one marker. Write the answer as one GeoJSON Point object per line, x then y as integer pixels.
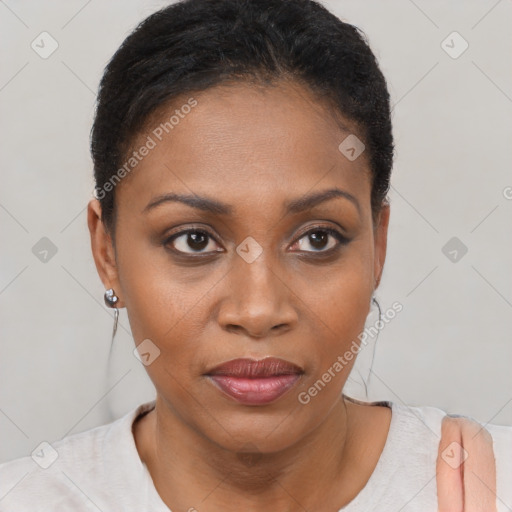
{"type": "Point", "coordinates": [381, 242]}
{"type": "Point", "coordinates": [103, 250]}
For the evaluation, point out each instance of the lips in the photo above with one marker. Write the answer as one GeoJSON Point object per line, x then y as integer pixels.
{"type": "Point", "coordinates": [252, 382]}
{"type": "Point", "coordinates": [251, 368]}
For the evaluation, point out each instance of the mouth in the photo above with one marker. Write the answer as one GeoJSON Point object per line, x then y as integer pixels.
{"type": "Point", "coordinates": [252, 382]}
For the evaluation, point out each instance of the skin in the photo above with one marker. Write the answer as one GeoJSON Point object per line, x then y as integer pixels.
{"type": "Point", "coordinates": [254, 148]}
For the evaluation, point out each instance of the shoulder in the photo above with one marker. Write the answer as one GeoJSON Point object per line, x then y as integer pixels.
{"type": "Point", "coordinates": [409, 421]}
{"type": "Point", "coordinates": [410, 450]}
{"type": "Point", "coordinates": [419, 418]}
{"type": "Point", "coordinates": [417, 445]}
{"type": "Point", "coordinates": [433, 418]}
{"type": "Point", "coordinates": [60, 473]}
{"type": "Point", "coordinates": [416, 433]}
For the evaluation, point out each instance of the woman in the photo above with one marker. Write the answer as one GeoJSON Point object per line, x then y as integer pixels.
{"type": "Point", "coordinates": [242, 153]}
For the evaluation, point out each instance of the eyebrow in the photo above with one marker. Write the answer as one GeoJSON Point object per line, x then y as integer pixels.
{"type": "Point", "coordinates": [312, 200]}
{"type": "Point", "coordinates": [216, 207]}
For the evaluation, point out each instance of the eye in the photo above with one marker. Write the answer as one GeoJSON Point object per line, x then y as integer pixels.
{"type": "Point", "coordinates": [321, 239]}
{"type": "Point", "coordinates": [190, 241]}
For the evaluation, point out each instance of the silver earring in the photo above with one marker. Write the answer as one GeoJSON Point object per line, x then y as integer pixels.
{"type": "Point", "coordinates": [111, 300]}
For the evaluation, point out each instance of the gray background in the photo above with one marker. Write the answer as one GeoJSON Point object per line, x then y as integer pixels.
{"type": "Point", "coordinates": [450, 347]}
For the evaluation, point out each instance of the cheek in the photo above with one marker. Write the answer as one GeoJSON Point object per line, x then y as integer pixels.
{"type": "Point", "coordinates": [162, 312]}
{"type": "Point", "coordinates": [340, 297]}
{"type": "Point", "coordinates": [166, 304]}
{"type": "Point", "coordinates": [337, 308]}
{"type": "Point", "coordinates": [344, 306]}
{"type": "Point", "coordinates": [165, 312]}
{"type": "Point", "coordinates": [152, 288]}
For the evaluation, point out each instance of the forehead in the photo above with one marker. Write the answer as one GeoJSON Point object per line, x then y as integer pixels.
{"type": "Point", "coordinates": [239, 141]}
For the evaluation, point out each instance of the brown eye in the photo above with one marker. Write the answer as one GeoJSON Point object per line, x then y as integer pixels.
{"type": "Point", "coordinates": [191, 241]}
{"type": "Point", "coordinates": [320, 240]}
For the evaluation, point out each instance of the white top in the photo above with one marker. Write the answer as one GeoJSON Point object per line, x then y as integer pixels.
{"type": "Point", "coordinates": [100, 469]}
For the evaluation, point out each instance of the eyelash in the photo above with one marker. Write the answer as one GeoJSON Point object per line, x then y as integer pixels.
{"type": "Point", "coordinates": [341, 240]}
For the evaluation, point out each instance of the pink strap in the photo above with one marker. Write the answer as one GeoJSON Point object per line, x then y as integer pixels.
{"type": "Point", "coordinates": [466, 467]}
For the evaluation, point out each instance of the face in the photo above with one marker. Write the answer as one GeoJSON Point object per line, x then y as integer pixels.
{"type": "Point", "coordinates": [246, 272]}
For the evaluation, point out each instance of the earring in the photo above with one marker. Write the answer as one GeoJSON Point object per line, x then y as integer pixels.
{"type": "Point", "coordinates": [111, 300]}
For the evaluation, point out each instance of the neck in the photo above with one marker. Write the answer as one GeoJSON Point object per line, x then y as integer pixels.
{"type": "Point", "coordinates": [190, 470]}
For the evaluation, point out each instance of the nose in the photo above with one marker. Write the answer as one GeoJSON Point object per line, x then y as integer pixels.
{"type": "Point", "coordinates": [259, 302]}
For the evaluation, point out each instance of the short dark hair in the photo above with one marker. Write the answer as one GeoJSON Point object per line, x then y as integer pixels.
{"type": "Point", "coordinates": [193, 45]}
